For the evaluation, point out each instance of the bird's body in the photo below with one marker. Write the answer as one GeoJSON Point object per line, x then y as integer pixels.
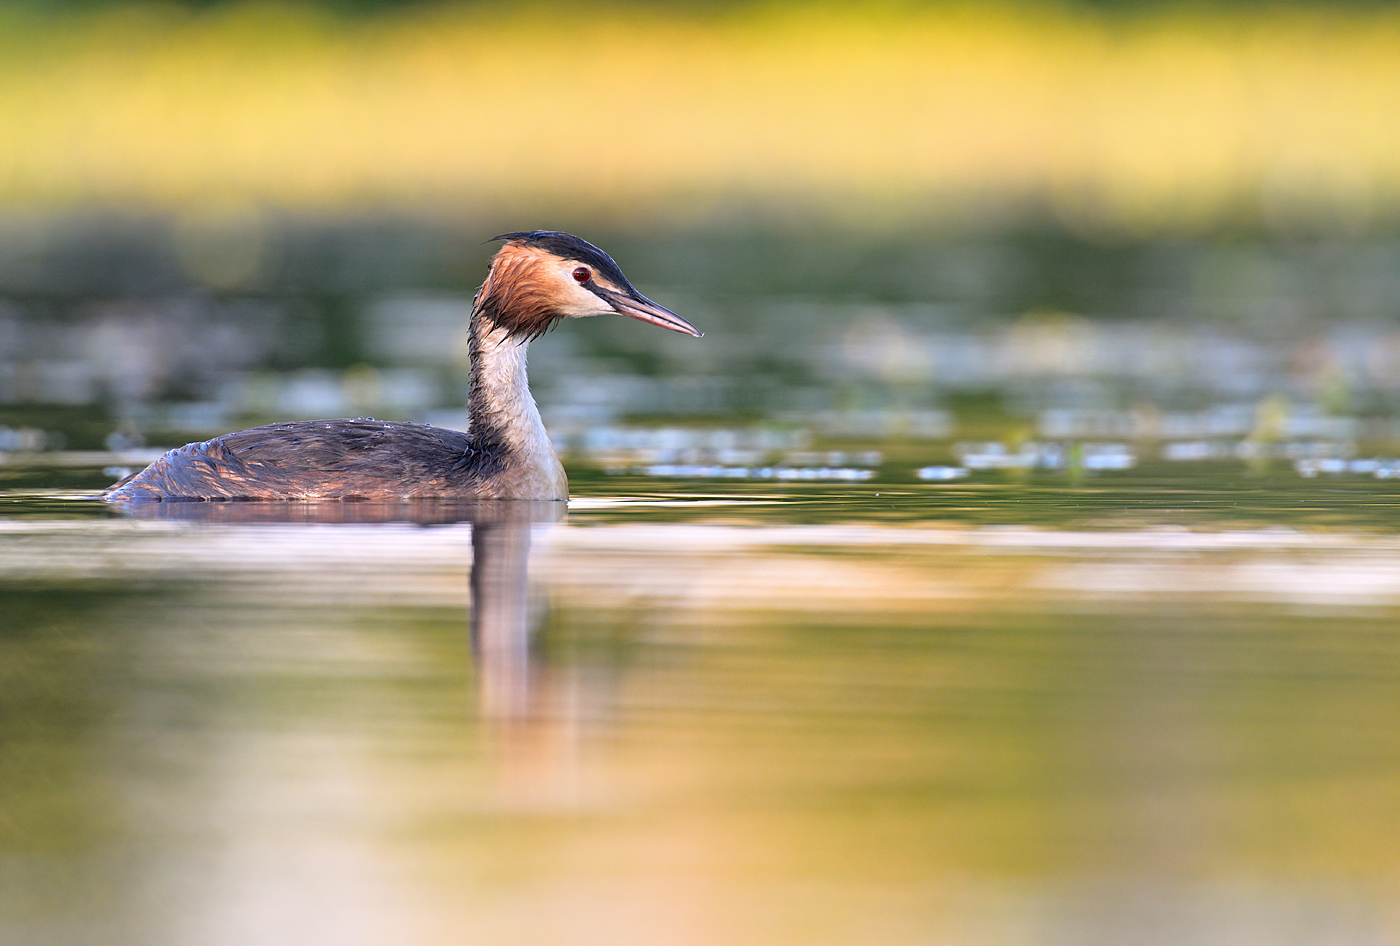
{"type": "Point", "coordinates": [338, 459]}
{"type": "Point", "coordinates": [535, 280]}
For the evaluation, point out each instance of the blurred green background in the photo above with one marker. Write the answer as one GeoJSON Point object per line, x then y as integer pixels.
{"type": "Point", "coordinates": [898, 219]}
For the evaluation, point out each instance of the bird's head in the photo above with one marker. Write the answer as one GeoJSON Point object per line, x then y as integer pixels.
{"type": "Point", "coordinates": [542, 276]}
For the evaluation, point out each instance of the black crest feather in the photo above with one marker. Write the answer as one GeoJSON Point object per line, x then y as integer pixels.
{"type": "Point", "coordinates": [567, 246]}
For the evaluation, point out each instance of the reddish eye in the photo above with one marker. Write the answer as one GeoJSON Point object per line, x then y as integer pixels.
{"type": "Point", "coordinates": [581, 274]}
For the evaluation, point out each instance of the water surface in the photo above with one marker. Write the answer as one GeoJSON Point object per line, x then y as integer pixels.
{"type": "Point", "coordinates": [1151, 707]}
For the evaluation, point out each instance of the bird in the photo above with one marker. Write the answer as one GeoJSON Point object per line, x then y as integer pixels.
{"type": "Point", "coordinates": [535, 280]}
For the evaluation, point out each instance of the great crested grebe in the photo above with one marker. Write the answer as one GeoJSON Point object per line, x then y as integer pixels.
{"type": "Point", "coordinates": [536, 279]}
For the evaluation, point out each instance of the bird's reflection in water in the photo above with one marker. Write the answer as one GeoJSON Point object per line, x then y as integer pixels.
{"type": "Point", "coordinates": [500, 624]}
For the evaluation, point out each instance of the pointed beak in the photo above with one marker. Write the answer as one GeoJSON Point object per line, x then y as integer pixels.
{"type": "Point", "coordinates": [642, 309]}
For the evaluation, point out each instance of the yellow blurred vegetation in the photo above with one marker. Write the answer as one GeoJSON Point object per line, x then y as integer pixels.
{"type": "Point", "coordinates": [1167, 121]}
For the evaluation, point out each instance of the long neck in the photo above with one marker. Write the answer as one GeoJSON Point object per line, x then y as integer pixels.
{"type": "Point", "coordinates": [504, 419]}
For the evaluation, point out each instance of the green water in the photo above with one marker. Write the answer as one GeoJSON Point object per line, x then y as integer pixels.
{"type": "Point", "coordinates": [1153, 707]}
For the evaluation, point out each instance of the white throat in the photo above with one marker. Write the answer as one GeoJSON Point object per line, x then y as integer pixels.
{"type": "Point", "coordinates": [504, 415]}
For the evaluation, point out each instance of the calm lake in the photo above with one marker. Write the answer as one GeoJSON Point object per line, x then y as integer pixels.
{"type": "Point", "coordinates": [1141, 709]}
{"type": "Point", "coordinates": [982, 591]}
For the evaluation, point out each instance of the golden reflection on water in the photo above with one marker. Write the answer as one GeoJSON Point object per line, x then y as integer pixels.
{"type": "Point", "coordinates": [663, 721]}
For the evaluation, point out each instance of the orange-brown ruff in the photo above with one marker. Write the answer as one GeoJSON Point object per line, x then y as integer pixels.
{"type": "Point", "coordinates": [536, 279]}
{"type": "Point", "coordinates": [521, 291]}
